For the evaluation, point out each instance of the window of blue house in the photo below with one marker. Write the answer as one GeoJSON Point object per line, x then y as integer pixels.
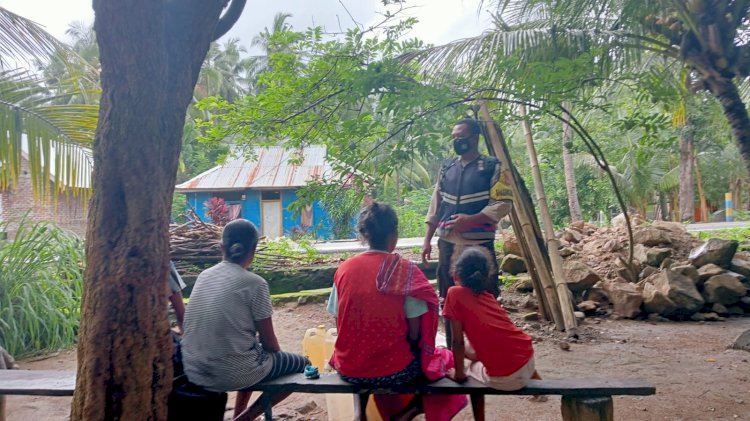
{"type": "Point", "coordinates": [233, 201]}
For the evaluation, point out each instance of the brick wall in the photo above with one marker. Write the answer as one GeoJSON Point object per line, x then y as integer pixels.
{"type": "Point", "coordinates": [70, 212]}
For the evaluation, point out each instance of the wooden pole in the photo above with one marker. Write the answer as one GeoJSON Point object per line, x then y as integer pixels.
{"type": "Point", "coordinates": [553, 245]}
{"type": "Point", "coordinates": [536, 282]}
{"type": "Point", "coordinates": [526, 219]}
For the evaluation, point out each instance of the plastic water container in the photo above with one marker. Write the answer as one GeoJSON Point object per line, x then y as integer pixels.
{"type": "Point", "coordinates": [330, 343]}
{"type": "Point", "coordinates": [340, 407]}
{"type": "Point", "coordinates": [313, 346]}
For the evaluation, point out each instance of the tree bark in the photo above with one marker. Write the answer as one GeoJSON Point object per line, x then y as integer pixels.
{"type": "Point", "coordinates": [737, 194]}
{"type": "Point", "coordinates": [569, 168]}
{"type": "Point", "coordinates": [687, 182]}
{"type": "Point", "coordinates": [734, 109]}
{"type": "Point", "coordinates": [150, 53]}
{"type": "Point", "coordinates": [662, 212]}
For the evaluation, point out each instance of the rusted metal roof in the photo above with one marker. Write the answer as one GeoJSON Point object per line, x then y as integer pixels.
{"type": "Point", "coordinates": [269, 169]}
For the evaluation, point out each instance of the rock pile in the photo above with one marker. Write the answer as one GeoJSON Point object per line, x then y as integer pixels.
{"type": "Point", "coordinates": [676, 275]}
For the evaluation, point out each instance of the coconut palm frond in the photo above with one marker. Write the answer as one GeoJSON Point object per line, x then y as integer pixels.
{"type": "Point", "coordinates": [744, 89]}
{"type": "Point", "coordinates": [54, 139]}
{"type": "Point", "coordinates": [670, 179]}
{"type": "Point", "coordinates": [481, 58]}
{"type": "Point", "coordinates": [23, 40]}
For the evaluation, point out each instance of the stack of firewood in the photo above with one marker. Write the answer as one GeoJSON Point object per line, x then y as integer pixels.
{"type": "Point", "coordinates": [200, 242]}
{"type": "Point", "coordinates": [195, 241]}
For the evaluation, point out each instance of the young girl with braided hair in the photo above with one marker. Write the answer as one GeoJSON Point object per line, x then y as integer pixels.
{"type": "Point", "coordinates": [499, 353]}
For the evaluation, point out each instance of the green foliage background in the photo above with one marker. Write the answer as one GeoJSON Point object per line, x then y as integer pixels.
{"type": "Point", "coordinates": [41, 281]}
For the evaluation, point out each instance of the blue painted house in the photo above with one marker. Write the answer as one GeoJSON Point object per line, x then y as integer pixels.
{"type": "Point", "coordinates": [261, 189]}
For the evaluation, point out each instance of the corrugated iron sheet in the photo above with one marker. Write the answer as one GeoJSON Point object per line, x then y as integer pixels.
{"type": "Point", "coordinates": [271, 169]}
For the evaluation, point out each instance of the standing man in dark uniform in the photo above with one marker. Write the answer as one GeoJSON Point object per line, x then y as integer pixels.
{"type": "Point", "coordinates": [469, 199]}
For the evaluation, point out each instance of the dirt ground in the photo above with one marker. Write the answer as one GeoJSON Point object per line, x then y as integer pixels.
{"type": "Point", "coordinates": [696, 376]}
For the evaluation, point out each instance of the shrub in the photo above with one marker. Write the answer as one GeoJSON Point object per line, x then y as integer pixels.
{"type": "Point", "coordinates": [41, 284]}
{"type": "Point", "coordinates": [412, 213]}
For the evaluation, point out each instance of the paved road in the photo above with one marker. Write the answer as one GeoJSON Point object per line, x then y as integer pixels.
{"type": "Point", "coordinates": [354, 246]}
{"type": "Point", "coordinates": [713, 226]}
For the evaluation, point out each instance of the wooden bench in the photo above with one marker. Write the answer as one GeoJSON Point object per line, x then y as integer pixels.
{"type": "Point", "coordinates": [582, 399]}
{"type": "Point", "coordinates": [37, 382]}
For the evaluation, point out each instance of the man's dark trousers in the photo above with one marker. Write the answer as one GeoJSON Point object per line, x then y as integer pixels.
{"type": "Point", "coordinates": [445, 280]}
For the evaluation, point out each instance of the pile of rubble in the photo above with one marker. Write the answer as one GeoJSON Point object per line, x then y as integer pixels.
{"type": "Point", "coordinates": [673, 274]}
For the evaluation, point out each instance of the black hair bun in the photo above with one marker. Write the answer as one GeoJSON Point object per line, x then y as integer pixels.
{"type": "Point", "coordinates": [236, 250]}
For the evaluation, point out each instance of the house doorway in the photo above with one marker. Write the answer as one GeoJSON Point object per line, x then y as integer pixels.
{"type": "Point", "coordinates": [270, 210]}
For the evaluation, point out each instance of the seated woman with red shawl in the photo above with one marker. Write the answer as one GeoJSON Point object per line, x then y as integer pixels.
{"type": "Point", "coordinates": [387, 314]}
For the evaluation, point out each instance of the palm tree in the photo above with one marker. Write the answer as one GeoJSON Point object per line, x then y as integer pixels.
{"type": "Point", "coordinates": [30, 123]}
{"type": "Point", "coordinates": [76, 68]}
{"type": "Point", "coordinates": [569, 168]}
{"type": "Point", "coordinates": [224, 72]}
{"type": "Point", "coordinates": [265, 41]}
{"type": "Point", "coordinates": [708, 36]}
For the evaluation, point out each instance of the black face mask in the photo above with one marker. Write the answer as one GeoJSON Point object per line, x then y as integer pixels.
{"type": "Point", "coordinates": [461, 145]}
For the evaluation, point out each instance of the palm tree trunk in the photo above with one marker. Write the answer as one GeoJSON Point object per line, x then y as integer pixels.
{"type": "Point", "coordinates": [737, 194]}
{"type": "Point", "coordinates": [687, 183]}
{"type": "Point", "coordinates": [151, 56]}
{"type": "Point", "coordinates": [663, 211]}
{"type": "Point", "coordinates": [568, 168]}
{"type": "Point", "coordinates": [734, 109]}
{"type": "Point", "coordinates": [701, 192]}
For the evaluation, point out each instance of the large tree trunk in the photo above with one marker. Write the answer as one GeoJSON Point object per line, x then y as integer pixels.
{"type": "Point", "coordinates": [568, 167]}
{"type": "Point", "coordinates": [151, 53]}
{"type": "Point", "coordinates": [734, 109]}
{"type": "Point", "coordinates": [687, 183]}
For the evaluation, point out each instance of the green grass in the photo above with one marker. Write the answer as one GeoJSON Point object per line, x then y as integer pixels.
{"type": "Point", "coordinates": [742, 235]}
{"type": "Point", "coordinates": [41, 284]}
{"type": "Point", "coordinates": [508, 280]}
{"type": "Point", "coordinates": [321, 294]}
{"type": "Point", "coordinates": [739, 234]}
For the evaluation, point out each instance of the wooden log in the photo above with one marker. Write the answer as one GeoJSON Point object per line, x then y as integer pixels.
{"type": "Point", "coordinates": [598, 408]}
{"type": "Point", "coordinates": [563, 293]}
{"type": "Point", "coordinates": [527, 219]}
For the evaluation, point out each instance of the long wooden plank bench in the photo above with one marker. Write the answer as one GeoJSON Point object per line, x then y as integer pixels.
{"type": "Point", "coordinates": [582, 399]}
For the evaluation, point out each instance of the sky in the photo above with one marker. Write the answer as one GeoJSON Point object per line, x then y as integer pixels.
{"type": "Point", "coordinates": [441, 21]}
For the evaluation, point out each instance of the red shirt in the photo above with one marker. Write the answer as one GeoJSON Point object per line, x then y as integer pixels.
{"type": "Point", "coordinates": [372, 326]}
{"type": "Point", "coordinates": [502, 347]}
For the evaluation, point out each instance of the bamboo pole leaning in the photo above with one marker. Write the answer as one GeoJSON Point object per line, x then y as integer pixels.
{"type": "Point", "coordinates": [544, 306]}
{"type": "Point", "coordinates": [526, 218]}
{"type": "Point", "coordinates": [563, 292]}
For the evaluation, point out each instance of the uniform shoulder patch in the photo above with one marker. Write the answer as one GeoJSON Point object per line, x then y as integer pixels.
{"type": "Point", "coordinates": [502, 189]}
